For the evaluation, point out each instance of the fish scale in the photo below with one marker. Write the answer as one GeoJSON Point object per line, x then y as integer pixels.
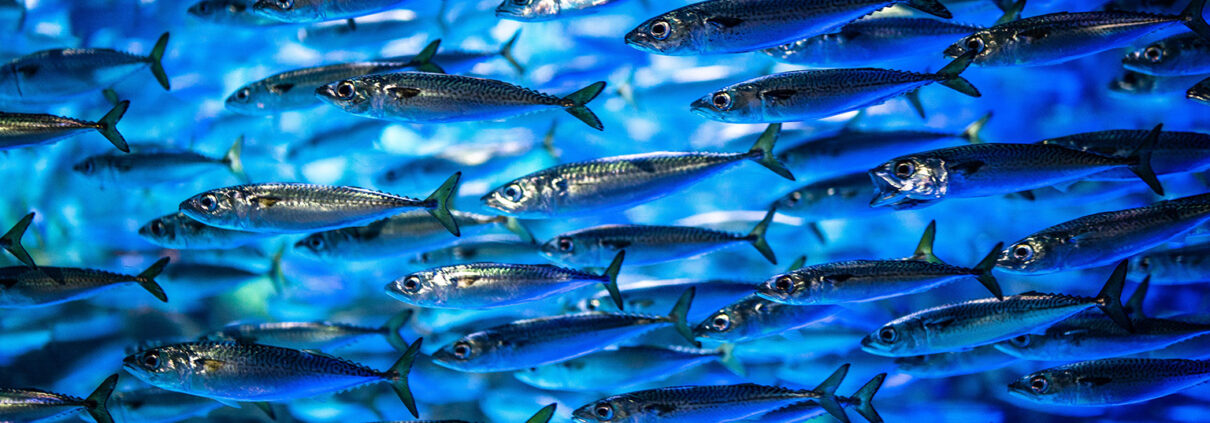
{"type": "Point", "coordinates": [1088, 336]}
{"type": "Point", "coordinates": [407, 232]}
{"type": "Point", "coordinates": [1174, 151]}
{"type": "Point", "coordinates": [22, 286]}
{"type": "Point", "coordinates": [1111, 381]}
{"type": "Point", "coordinates": [868, 280]}
{"type": "Point", "coordinates": [644, 244]}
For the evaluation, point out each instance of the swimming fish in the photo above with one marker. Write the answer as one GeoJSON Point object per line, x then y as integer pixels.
{"type": "Point", "coordinates": [1111, 381]}
{"type": "Point", "coordinates": [155, 405]}
{"type": "Point", "coordinates": [964, 325]}
{"type": "Point", "coordinates": [405, 233]}
{"type": "Point", "coordinates": [309, 11]}
{"type": "Point", "coordinates": [490, 248]}
{"type": "Point", "coordinates": [35, 405]}
{"type": "Point", "coordinates": [155, 166]}
{"type": "Point", "coordinates": [1181, 54]}
{"type": "Point", "coordinates": [11, 240]}
{"type": "Point", "coordinates": [954, 363]}
{"type": "Point", "coordinates": [1061, 37]}
{"type": "Point", "coordinates": [232, 371]}
{"type": "Point", "coordinates": [620, 182]}
{"type": "Point", "coordinates": [58, 73]}
{"type": "Point", "coordinates": [624, 367]}
{"type": "Point", "coordinates": [656, 295]}
{"type": "Point", "coordinates": [547, 340]}
{"type": "Point", "coordinates": [321, 336]}
{"type": "Point", "coordinates": [813, 94]}
{"type": "Point", "coordinates": [421, 97]}
{"type": "Point", "coordinates": [737, 26]}
{"type": "Point", "coordinates": [872, 280]}
{"type": "Point", "coordinates": [295, 89]}
{"type": "Point", "coordinates": [1103, 238]}
{"type": "Point", "coordinates": [181, 232]}
{"type": "Point", "coordinates": [24, 287]}
{"type": "Point", "coordinates": [295, 207]}
{"type": "Point", "coordinates": [1174, 151]}
{"type": "Point", "coordinates": [646, 244]}
{"type": "Point", "coordinates": [753, 317]}
{"type": "Point", "coordinates": [547, 10]}
{"type": "Point", "coordinates": [229, 12]}
{"type": "Point", "coordinates": [1181, 266]}
{"type": "Point", "coordinates": [873, 41]}
{"type": "Point", "coordinates": [1200, 92]}
{"type": "Point", "coordinates": [29, 129]}
{"type": "Point", "coordinates": [1131, 84]}
{"type": "Point", "coordinates": [489, 285]}
{"type": "Point", "coordinates": [842, 197]}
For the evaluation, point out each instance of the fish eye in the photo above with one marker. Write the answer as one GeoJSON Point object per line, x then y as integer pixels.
{"type": "Point", "coordinates": [793, 198]}
{"type": "Point", "coordinates": [1144, 263]}
{"type": "Point", "coordinates": [660, 30]}
{"type": "Point", "coordinates": [512, 193]}
{"type": "Point", "coordinates": [1153, 53]}
{"type": "Point", "coordinates": [603, 411]}
{"type": "Point", "coordinates": [285, 4]}
{"type": "Point", "coordinates": [721, 322]}
{"type": "Point", "coordinates": [345, 90]}
{"type": "Point", "coordinates": [243, 94]}
{"type": "Point", "coordinates": [1023, 252]}
{"type": "Point", "coordinates": [462, 350]}
{"type": "Point", "coordinates": [208, 202]}
{"type": "Point", "coordinates": [974, 44]}
{"type": "Point", "coordinates": [593, 304]}
{"type": "Point", "coordinates": [905, 169]}
{"type": "Point", "coordinates": [157, 228]}
{"type": "Point", "coordinates": [1021, 341]}
{"type": "Point", "coordinates": [315, 242]}
{"type": "Point", "coordinates": [411, 284]}
{"type": "Point", "coordinates": [784, 285]}
{"type": "Point", "coordinates": [721, 101]}
{"type": "Point", "coordinates": [1039, 384]}
{"type": "Point", "coordinates": [565, 244]}
{"type": "Point", "coordinates": [150, 360]}
{"type": "Point", "coordinates": [888, 334]}
{"type": "Point", "coordinates": [203, 7]}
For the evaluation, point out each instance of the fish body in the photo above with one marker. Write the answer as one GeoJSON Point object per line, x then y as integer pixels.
{"type": "Point", "coordinates": [38, 406]}
{"type": "Point", "coordinates": [29, 129]}
{"type": "Point", "coordinates": [23, 287]}
{"type": "Point", "coordinates": [687, 404]}
{"type": "Point", "coordinates": [1182, 54]}
{"type": "Point", "coordinates": [546, 10]}
{"type": "Point", "coordinates": [489, 285]}
{"type": "Point", "coordinates": [159, 166]}
{"type": "Point", "coordinates": [1188, 265]}
{"type": "Point", "coordinates": [1112, 381]}
{"type": "Point", "coordinates": [405, 233]}
{"type": "Point", "coordinates": [1200, 92]}
{"type": "Point", "coordinates": [737, 26]}
{"type": "Point", "coordinates": [295, 89]}
{"type": "Point", "coordinates": [654, 296]}
{"type": "Point", "coordinates": [1174, 151]}
{"type": "Point", "coordinates": [852, 150]}
{"type": "Point", "coordinates": [1130, 84]}
{"type": "Point", "coordinates": [1091, 336]}
{"type": "Point", "coordinates": [321, 336]}
{"type": "Point", "coordinates": [1104, 238]}
{"type": "Point", "coordinates": [861, 281]}
{"type": "Point", "coordinates": [955, 363]}
{"type": "Point", "coordinates": [491, 248]}
{"type": "Point", "coordinates": [616, 369]}
{"type": "Point", "coordinates": [179, 231]}
{"type": "Point", "coordinates": [842, 197]}
{"type": "Point", "coordinates": [154, 405]}
{"type": "Point", "coordinates": [873, 41]}
{"type": "Point", "coordinates": [309, 11]}
{"type": "Point", "coordinates": [753, 317]}
{"type": "Point", "coordinates": [229, 12]}
{"type": "Point", "coordinates": [58, 73]}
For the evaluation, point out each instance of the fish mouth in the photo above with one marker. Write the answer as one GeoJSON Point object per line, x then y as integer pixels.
{"type": "Point", "coordinates": [1200, 97]}
{"type": "Point", "coordinates": [952, 51]}
{"type": "Point", "coordinates": [1019, 390]}
{"type": "Point", "coordinates": [326, 93]}
{"type": "Point", "coordinates": [868, 345]}
{"type": "Point", "coordinates": [703, 108]}
{"type": "Point", "coordinates": [888, 190]}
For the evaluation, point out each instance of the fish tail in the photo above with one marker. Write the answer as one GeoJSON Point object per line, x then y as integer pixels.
{"type": "Point", "coordinates": [12, 241]}
{"type": "Point", "coordinates": [1140, 160]}
{"type": "Point", "coordinates": [95, 403]}
{"type": "Point", "coordinates": [1134, 305]}
{"type": "Point", "coordinates": [924, 249]}
{"type": "Point", "coordinates": [983, 271]}
{"type": "Point", "coordinates": [1109, 299]}
{"type": "Point", "coordinates": [865, 399]}
{"type": "Point", "coordinates": [147, 279]}
{"type": "Point", "coordinates": [757, 236]}
{"type": "Point", "coordinates": [728, 360]}
{"type": "Point", "coordinates": [611, 278]}
{"type": "Point", "coordinates": [233, 161]}
{"type": "Point", "coordinates": [932, 7]}
{"type": "Point", "coordinates": [156, 59]}
{"type": "Point", "coordinates": [950, 75]}
{"type": "Point", "coordinates": [440, 203]}
{"type": "Point", "coordinates": [393, 326]}
{"type": "Point", "coordinates": [1194, 18]}
{"type": "Point", "coordinates": [506, 51]}
{"type": "Point", "coordinates": [398, 376]}
{"type": "Point", "coordinates": [424, 60]}
{"type": "Point", "coordinates": [762, 151]}
{"type": "Point", "coordinates": [1012, 11]}
{"type": "Point", "coordinates": [973, 132]}
{"type": "Point", "coordinates": [797, 264]}
{"type": "Point", "coordinates": [515, 226]}
{"type": "Point", "coordinates": [108, 125]}
{"type": "Point", "coordinates": [276, 276]}
{"type": "Point", "coordinates": [543, 415]}
{"type": "Point", "coordinates": [818, 232]}
{"type": "Point", "coordinates": [827, 393]}
{"type": "Point", "coordinates": [576, 104]}
{"type": "Point", "coordinates": [680, 312]}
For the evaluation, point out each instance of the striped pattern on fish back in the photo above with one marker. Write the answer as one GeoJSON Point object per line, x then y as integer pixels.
{"type": "Point", "coordinates": [1122, 142]}
{"type": "Point", "coordinates": [658, 235]}
{"type": "Point", "coordinates": [702, 396]}
{"type": "Point", "coordinates": [466, 88]}
{"type": "Point", "coordinates": [26, 123]}
{"type": "Point", "coordinates": [520, 272]}
{"type": "Point", "coordinates": [570, 325]}
{"type": "Point", "coordinates": [640, 169]}
{"type": "Point", "coordinates": [1081, 20]}
{"type": "Point", "coordinates": [313, 195]}
{"type": "Point", "coordinates": [1161, 213]}
{"type": "Point", "coordinates": [58, 278]}
{"type": "Point", "coordinates": [242, 357]}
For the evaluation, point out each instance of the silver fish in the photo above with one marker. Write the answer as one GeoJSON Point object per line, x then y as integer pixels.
{"type": "Point", "coordinates": [34, 405]}
{"type": "Point", "coordinates": [23, 287]}
{"type": "Point", "coordinates": [29, 129]}
{"type": "Point", "coordinates": [873, 41]}
{"type": "Point", "coordinates": [435, 98]}
{"type": "Point", "coordinates": [160, 166]}
{"type": "Point", "coordinates": [181, 232]}
{"type": "Point", "coordinates": [1174, 151]}
{"type": "Point", "coordinates": [753, 317]}
{"type": "Point", "coordinates": [657, 295]}
{"type": "Point", "coordinates": [229, 12]}
{"type": "Point", "coordinates": [491, 248]}
{"type": "Point", "coordinates": [292, 208]}
{"type": "Point", "coordinates": [405, 233]}
{"type": "Point", "coordinates": [308, 11]}
{"type": "Point", "coordinates": [1188, 265]}
{"type": "Point", "coordinates": [1112, 381]}
{"type": "Point", "coordinates": [1200, 92]}
{"type": "Point", "coordinates": [321, 336]}
{"type": "Point", "coordinates": [547, 10]}
{"type": "Point", "coordinates": [624, 367]}
{"type": "Point", "coordinates": [620, 182]}
{"type": "Point", "coordinates": [1131, 84]}
{"type": "Point", "coordinates": [1182, 54]}
{"type": "Point", "coordinates": [58, 73]}
{"type": "Point", "coordinates": [230, 371]}
{"type": "Point", "coordinates": [955, 363]}
{"type": "Point", "coordinates": [155, 405]}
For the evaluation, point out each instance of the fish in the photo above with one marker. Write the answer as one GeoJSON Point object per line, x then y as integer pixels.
{"type": "Point", "coordinates": [720, 403]}
{"type": "Point", "coordinates": [296, 207]}
{"type": "Point", "coordinates": [753, 317]}
{"type": "Point", "coordinates": [624, 367]}
{"type": "Point", "coordinates": [1131, 84]}
{"type": "Point", "coordinates": [405, 233]}
{"type": "Point", "coordinates": [1111, 381]}
{"type": "Point", "coordinates": [23, 287]}
{"type": "Point", "coordinates": [500, 248]}
{"type": "Point", "coordinates": [1181, 54]}
{"type": "Point", "coordinates": [648, 244]}
{"type": "Point", "coordinates": [310, 11]}
{"type": "Point", "coordinates": [194, 280]}
{"type": "Point", "coordinates": [1174, 151]}
{"type": "Point", "coordinates": [453, 62]}
{"type": "Point", "coordinates": [654, 295]}
{"type": "Point", "coordinates": [1181, 266]}
{"type": "Point", "coordinates": [155, 405]}
{"type": "Point", "coordinates": [842, 197]}
{"type": "Point", "coordinates": [156, 166]}
{"type": "Point", "coordinates": [232, 372]}
{"type": "Point", "coordinates": [181, 232]}
{"type": "Point", "coordinates": [814, 94]}
{"type": "Point", "coordinates": [490, 285]}
{"type": "Point", "coordinates": [1104, 238]}
{"type": "Point", "coordinates": [547, 340]}
{"type": "Point", "coordinates": [420, 97]}
{"type": "Point", "coordinates": [1200, 92]}
{"type": "Point", "coordinates": [548, 10]}
{"type": "Point", "coordinates": [57, 73]}
{"type": "Point", "coordinates": [337, 141]}
{"type": "Point", "coordinates": [1061, 37]}
{"type": "Point", "coordinates": [321, 336]}
{"type": "Point", "coordinates": [620, 182]}
{"type": "Point", "coordinates": [960, 326]}
{"type": "Point", "coordinates": [229, 12]}
{"type": "Point", "coordinates": [871, 280]}
{"type": "Point", "coordinates": [35, 405]}
{"type": "Point", "coordinates": [295, 89]}
{"type": "Point", "coordinates": [19, 130]}
{"type": "Point", "coordinates": [981, 170]}
{"type": "Point", "coordinates": [873, 41]}
{"type": "Point", "coordinates": [11, 241]}
{"type": "Point", "coordinates": [737, 26]}
{"type": "Point", "coordinates": [955, 363]}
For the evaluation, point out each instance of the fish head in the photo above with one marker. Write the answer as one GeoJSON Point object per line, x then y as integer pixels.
{"type": "Point", "coordinates": [739, 103]}
{"type": "Point", "coordinates": [1032, 255]}
{"type": "Point", "coordinates": [286, 10]}
{"type": "Point", "coordinates": [88, 167]}
{"type": "Point", "coordinates": [1025, 345]}
{"type": "Point", "coordinates": [983, 42]}
{"type": "Point", "coordinates": [216, 10]}
{"type": "Point", "coordinates": [802, 199]}
{"type": "Point", "coordinates": [419, 288]}
{"type": "Point", "coordinates": [1051, 386]}
{"type": "Point", "coordinates": [897, 338]}
{"type": "Point", "coordinates": [524, 197]}
{"type": "Point", "coordinates": [675, 33]}
{"type": "Point", "coordinates": [726, 324]}
{"type": "Point", "coordinates": [472, 352]}
{"type": "Point", "coordinates": [166, 367]}
{"type": "Point", "coordinates": [350, 95]}
{"type": "Point", "coordinates": [161, 231]}
{"type": "Point", "coordinates": [254, 98]}
{"type": "Point", "coordinates": [218, 207]}
{"type": "Point", "coordinates": [1159, 56]}
{"type": "Point", "coordinates": [618, 408]}
{"type": "Point", "coordinates": [909, 178]}
{"type": "Point", "coordinates": [324, 244]}
{"type": "Point", "coordinates": [571, 250]}
{"type": "Point", "coordinates": [1131, 82]}
{"type": "Point", "coordinates": [1200, 92]}
{"type": "Point", "coordinates": [797, 287]}
{"type": "Point", "coordinates": [528, 10]}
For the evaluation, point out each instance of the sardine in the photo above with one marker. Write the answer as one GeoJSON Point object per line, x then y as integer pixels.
{"type": "Point", "coordinates": [310, 11]}
{"type": "Point", "coordinates": [405, 233]}
{"type": "Point", "coordinates": [1182, 54]}
{"type": "Point", "coordinates": [955, 363]}
{"type": "Point", "coordinates": [181, 232]}
{"type": "Point", "coordinates": [1200, 92]}
{"type": "Point", "coordinates": [23, 287]}
{"type": "Point", "coordinates": [658, 295]}
{"type": "Point", "coordinates": [321, 336]}
{"type": "Point", "coordinates": [753, 317]}
{"type": "Point", "coordinates": [624, 367]}
{"type": "Point", "coordinates": [29, 129]}
{"type": "Point", "coordinates": [160, 166]}
{"type": "Point", "coordinates": [1111, 381]}
{"type": "Point", "coordinates": [155, 405]}
{"type": "Point", "coordinates": [1182, 266]}
{"type": "Point", "coordinates": [547, 10]}
{"type": "Point", "coordinates": [58, 73]}
{"type": "Point", "coordinates": [35, 405]}
{"type": "Point", "coordinates": [230, 12]}
{"type": "Point", "coordinates": [491, 248]}
{"type": "Point", "coordinates": [873, 41]}
{"type": "Point", "coordinates": [1130, 84]}
{"type": "Point", "coordinates": [1174, 151]}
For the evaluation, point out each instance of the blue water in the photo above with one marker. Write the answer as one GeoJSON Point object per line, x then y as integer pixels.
{"type": "Point", "coordinates": [83, 222]}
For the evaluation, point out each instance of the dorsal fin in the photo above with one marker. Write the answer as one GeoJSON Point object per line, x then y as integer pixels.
{"type": "Point", "coordinates": [924, 250]}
